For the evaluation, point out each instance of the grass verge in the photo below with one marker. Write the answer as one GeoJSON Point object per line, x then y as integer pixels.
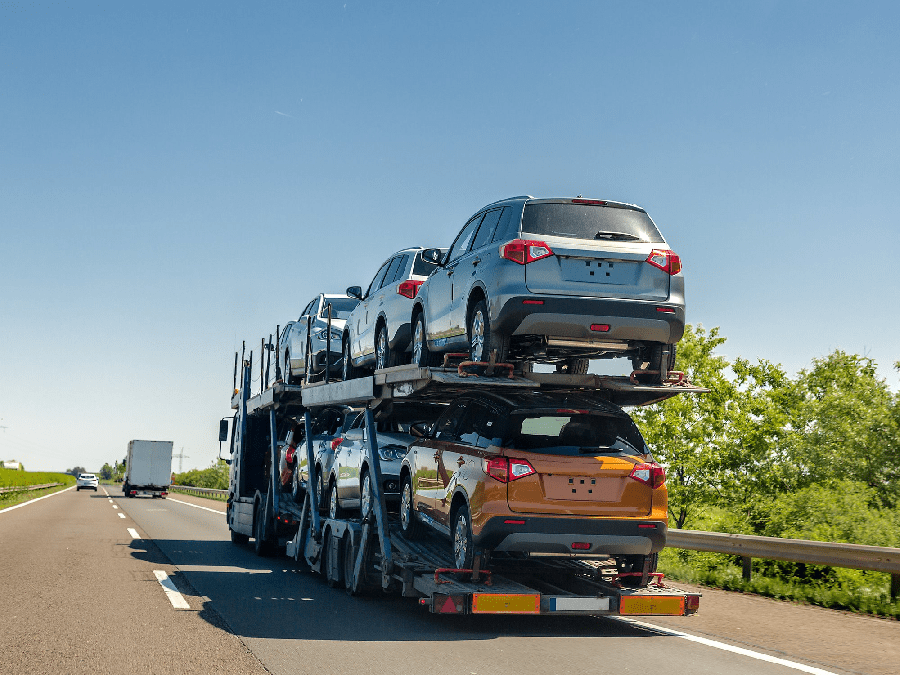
{"type": "Point", "coordinates": [185, 490]}
{"type": "Point", "coordinates": [8, 499]}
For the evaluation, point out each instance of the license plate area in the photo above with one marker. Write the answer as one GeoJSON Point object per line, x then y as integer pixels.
{"type": "Point", "coordinates": [598, 271]}
{"type": "Point", "coordinates": [582, 488]}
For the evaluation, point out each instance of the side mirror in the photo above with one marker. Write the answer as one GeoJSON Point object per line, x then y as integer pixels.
{"type": "Point", "coordinates": [355, 292]}
{"type": "Point", "coordinates": [420, 429]}
{"type": "Point", "coordinates": [433, 255]}
{"type": "Point", "coordinates": [223, 430]}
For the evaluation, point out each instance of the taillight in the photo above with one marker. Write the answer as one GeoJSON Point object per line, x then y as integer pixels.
{"type": "Point", "coordinates": [336, 442]}
{"type": "Point", "coordinates": [666, 260]}
{"type": "Point", "coordinates": [506, 470]}
{"type": "Point", "coordinates": [409, 289]}
{"type": "Point", "coordinates": [649, 474]}
{"type": "Point", "coordinates": [524, 251]}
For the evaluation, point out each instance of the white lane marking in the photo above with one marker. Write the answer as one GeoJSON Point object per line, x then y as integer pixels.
{"type": "Point", "coordinates": [731, 648]}
{"type": "Point", "coordinates": [205, 508]}
{"type": "Point", "coordinates": [36, 499]}
{"type": "Point", "coordinates": [121, 515]}
{"type": "Point", "coordinates": [176, 598]}
{"type": "Point", "coordinates": [110, 500]}
{"type": "Point", "coordinates": [114, 506]}
{"type": "Point", "coordinates": [134, 533]}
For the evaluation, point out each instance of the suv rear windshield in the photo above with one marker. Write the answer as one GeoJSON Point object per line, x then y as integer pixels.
{"type": "Point", "coordinates": [581, 221]}
{"type": "Point", "coordinates": [340, 307]}
{"type": "Point", "coordinates": [565, 433]}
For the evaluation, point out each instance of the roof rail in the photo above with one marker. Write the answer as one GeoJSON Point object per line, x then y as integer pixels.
{"type": "Point", "coordinates": [507, 200]}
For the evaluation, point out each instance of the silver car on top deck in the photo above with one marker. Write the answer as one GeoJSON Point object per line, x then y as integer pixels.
{"type": "Point", "coordinates": [558, 281]}
{"type": "Point", "coordinates": [292, 342]}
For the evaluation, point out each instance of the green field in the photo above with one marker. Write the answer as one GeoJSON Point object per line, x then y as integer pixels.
{"type": "Point", "coordinates": [10, 478]}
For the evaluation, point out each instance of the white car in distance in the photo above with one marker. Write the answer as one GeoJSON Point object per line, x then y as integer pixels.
{"type": "Point", "coordinates": [86, 481]}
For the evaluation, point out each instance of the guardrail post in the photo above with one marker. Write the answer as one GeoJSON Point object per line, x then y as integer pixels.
{"type": "Point", "coordinates": [747, 567]}
{"type": "Point", "coordinates": [895, 587]}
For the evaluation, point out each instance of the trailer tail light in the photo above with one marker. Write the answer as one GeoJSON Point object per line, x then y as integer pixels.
{"type": "Point", "coordinates": [335, 442]}
{"type": "Point", "coordinates": [666, 260]}
{"type": "Point", "coordinates": [651, 474]}
{"type": "Point", "coordinates": [409, 289]}
{"type": "Point", "coordinates": [524, 251]}
{"type": "Point", "coordinates": [506, 470]}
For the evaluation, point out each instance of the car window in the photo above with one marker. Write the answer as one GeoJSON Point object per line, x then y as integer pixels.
{"type": "Point", "coordinates": [486, 231]}
{"type": "Point", "coordinates": [376, 280]}
{"type": "Point", "coordinates": [571, 433]}
{"type": "Point", "coordinates": [400, 274]}
{"type": "Point", "coordinates": [340, 307]}
{"type": "Point", "coordinates": [308, 309]}
{"type": "Point", "coordinates": [479, 426]}
{"type": "Point", "coordinates": [508, 228]}
{"type": "Point", "coordinates": [423, 268]}
{"type": "Point", "coordinates": [391, 273]}
{"type": "Point", "coordinates": [582, 221]}
{"type": "Point", "coordinates": [461, 245]}
{"type": "Point", "coordinates": [445, 428]}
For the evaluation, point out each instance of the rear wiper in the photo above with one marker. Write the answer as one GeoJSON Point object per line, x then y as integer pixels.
{"type": "Point", "coordinates": [619, 236]}
{"type": "Point", "coordinates": [599, 450]}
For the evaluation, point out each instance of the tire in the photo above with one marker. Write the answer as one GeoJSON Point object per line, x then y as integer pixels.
{"type": "Point", "coordinates": [482, 340]}
{"type": "Point", "coordinates": [239, 539]}
{"type": "Point", "coordinates": [261, 545]}
{"type": "Point", "coordinates": [635, 563]}
{"type": "Point", "coordinates": [411, 528]}
{"type": "Point", "coordinates": [384, 355]}
{"type": "Point", "coordinates": [334, 508]}
{"type": "Point", "coordinates": [420, 354]}
{"type": "Point", "coordinates": [77, 489]}
{"type": "Point", "coordinates": [348, 371]}
{"type": "Point", "coordinates": [327, 554]}
{"type": "Point", "coordinates": [573, 366]}
{"type": "Point", "coordinates": [320, 491]}
{"type": "Point", "coordinates": [462, 544]}
{"type": "Point", "coordinates": [348, 558]}
{"type": "Point", "coordinates": [365, 494]}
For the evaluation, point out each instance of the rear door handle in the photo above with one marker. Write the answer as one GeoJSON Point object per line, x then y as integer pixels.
{"type": "Point", "coordinates": [476, 261]}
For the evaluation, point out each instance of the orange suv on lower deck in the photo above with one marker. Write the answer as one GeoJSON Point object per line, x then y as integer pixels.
{"type": "Point", "coordinates": [534, 473]}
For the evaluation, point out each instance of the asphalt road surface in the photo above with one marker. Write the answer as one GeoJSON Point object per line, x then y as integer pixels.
{"type": "Point", "coordinates": [81, 592]}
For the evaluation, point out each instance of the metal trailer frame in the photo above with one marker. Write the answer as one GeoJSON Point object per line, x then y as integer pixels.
{"type": "Point", "coordinates": [371, 554]}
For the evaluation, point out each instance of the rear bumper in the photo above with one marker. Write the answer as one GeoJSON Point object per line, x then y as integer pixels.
{"type": "Point", "coordinates": [555, 536]}
{"type": "Point", "coordinates": [571, 318]}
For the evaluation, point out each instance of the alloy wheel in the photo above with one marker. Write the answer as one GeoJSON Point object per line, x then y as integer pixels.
{"type": "Point", "coordinates": [477, 336]}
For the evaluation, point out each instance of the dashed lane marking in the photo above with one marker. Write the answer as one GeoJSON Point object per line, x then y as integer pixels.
{"type": "Point", "coordinates": [134, 533]}
{"type": "Point", "coordinates": [114, 506]}
{"type": "Point", "coordinates": [205, 508]}
{"type": "Point", "coordinates": [730, 648]}
{"type": "Point", "coordinates": [121, 515]}
{"type": "Point", "coordinates": [176, 598]}
{"type": "Point", "coordinates": [36, 499]}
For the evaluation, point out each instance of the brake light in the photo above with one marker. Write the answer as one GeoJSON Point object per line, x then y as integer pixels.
{"type": "Point", "coordinates": [581, 546]}
{"type": "Point", "coordinates": [592, 202]}
{"type": "Point", "coordinates": [409, 289]}
{"type": "Point", "coordinates": [666, 310]}
{"type": "Point", "coordinates": [524, 251]}
{"type": "Point", "coordinates": [600, 327]}
{"type": "Point", "coordinates": [506, 470]}
{"type": "Point", "coordinates": [651, 474]}
{"type": "Point", "coordinates": [666, 260]}
{"type": "Point", "coordinates": [336, 442]}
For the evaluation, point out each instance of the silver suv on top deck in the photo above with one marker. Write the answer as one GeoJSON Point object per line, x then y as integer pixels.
{"type": "Point", "coordinates": [557, 281]}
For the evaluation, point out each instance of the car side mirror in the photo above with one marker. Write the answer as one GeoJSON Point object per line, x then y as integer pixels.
{"type": "Point", "coordinates": [433, 255]}
{"type": "Point", "coordinates": [420, 429]}
{"type": "Point", "coordinates": [355, 292]}
{"type": "Point", "coordinates": [223, 430]}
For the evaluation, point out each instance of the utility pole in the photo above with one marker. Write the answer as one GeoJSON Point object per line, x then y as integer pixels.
{"type": "Point", "coordinates": [180, 457]}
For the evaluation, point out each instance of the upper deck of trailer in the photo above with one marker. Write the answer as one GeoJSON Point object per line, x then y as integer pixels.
{"type": "Point", "coordinates": [410, 382]}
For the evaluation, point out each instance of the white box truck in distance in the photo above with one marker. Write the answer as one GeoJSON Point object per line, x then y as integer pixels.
{"type": "Point", "coordinates": [148, 468]}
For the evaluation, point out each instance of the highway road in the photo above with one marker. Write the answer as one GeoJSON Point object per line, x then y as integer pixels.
{"type": "Point", "coordinates": [93, 583]}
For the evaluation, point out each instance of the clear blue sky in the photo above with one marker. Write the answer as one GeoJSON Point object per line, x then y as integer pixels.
{"type": "Point", "coordinates": [178, 177]}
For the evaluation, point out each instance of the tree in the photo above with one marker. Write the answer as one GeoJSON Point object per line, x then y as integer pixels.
{"type": "Point", "coordinates": [74, 471]}
{"type": "Point", "coordinates": [106, 472]}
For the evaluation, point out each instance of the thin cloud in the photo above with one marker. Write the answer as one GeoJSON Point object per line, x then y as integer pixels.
{"type": "Point", "coordinates": [284, 114]}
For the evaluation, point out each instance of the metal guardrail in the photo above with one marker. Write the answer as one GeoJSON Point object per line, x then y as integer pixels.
{"type": "Point", "coordinates": [24, 488]}
{"type": "Point", "coordinates": [198, 490]}
{"type": "Point", "coordinates": [853, 556]}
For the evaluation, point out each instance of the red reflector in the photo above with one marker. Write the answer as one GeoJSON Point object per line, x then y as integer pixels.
{"type": "Point", "coordinates": [693, 603]}
{"type": "Point", "coordinates": [647, 526]}
{"type": "Point", "coordinates": [667, 310]}
{"type": "Point", "coordinates": [592, 202]}
{"type": "Point", "coordinates": [513, 522]}
{"type": "Point", "coordinates": [600, 327]}
{"type": "Point", "coordinates": [532, 302]}
{"type": "Point", "coordinates": [580, 546]}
